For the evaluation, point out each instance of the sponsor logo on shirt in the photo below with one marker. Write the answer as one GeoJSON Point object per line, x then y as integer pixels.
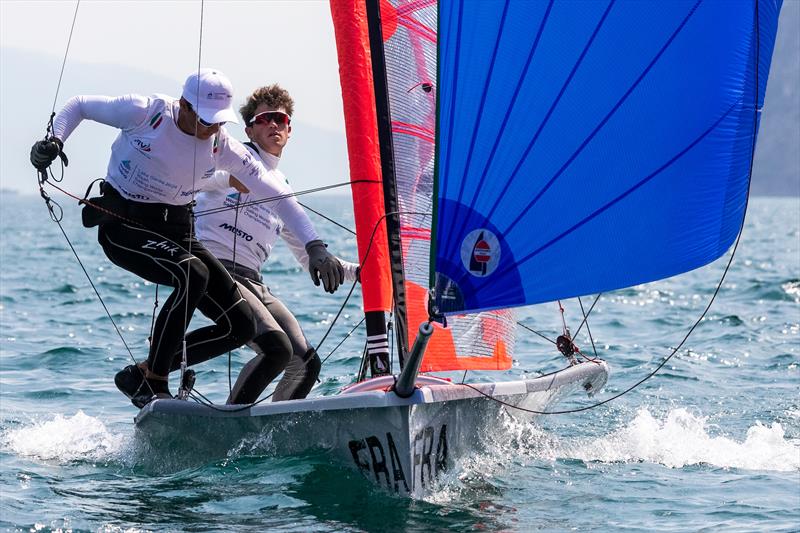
{"type": "Point", "coordinates": [208, 173]}
{"type": "Point", "coordinates": [131, 195]}
{"type": "Point", "coordinates": [125, 168]}
{"type": "Point", "coordinates": [190, 192]}
{"type": "Point", "coordinates": [236, 231]}
{"type": "Point", "coordinates": [140, 145]}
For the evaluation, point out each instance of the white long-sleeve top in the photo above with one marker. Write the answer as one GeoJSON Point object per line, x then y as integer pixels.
{"type": "Point", "coordinates": [257, 226]}
{"type": "Point", "coordinates": [154, 161]}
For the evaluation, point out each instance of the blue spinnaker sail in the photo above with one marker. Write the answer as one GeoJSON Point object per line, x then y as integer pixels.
{"type": "Point", "coordinates": [588, 146]}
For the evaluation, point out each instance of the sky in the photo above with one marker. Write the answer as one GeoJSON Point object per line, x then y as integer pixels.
{"type": "Point", "coordinates": [153, 45]}
{"type": "Point", "coordinates": [150, 46]}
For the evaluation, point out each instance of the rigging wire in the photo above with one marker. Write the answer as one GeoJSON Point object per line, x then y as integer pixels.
{"type": "Point", "coordinates": [235, 238]}
{"type": "Point", "coordinates": [304, 206]}
{"type": "Point", "coordinates": [186, 318]}
{"type": "Point", "coordinates": [542, 335]}
{"type": "Point", "coordinates": [64, 62]}
{"type": "Point", "coordinates": [588, 331]}
{"type": "Point", "coordinates": [284, 196]}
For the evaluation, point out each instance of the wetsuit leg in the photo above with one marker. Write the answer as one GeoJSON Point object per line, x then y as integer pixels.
{"type": "Point", "coordinates": [273, 352]}
{"type": "Point", "coordinates": [271, 344]}
{"type": "Point", "coordinates": [164, 260]}
{"type": "Point", "coordinates": [304, 365]}
{"type": "Point", "coordinates": [224, 303]}
{"type": "Point", "coordinates": [299, 378]}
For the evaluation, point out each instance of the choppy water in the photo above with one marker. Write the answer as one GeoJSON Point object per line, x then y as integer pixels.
{"type": "Point", "coordinates": [711, 443]}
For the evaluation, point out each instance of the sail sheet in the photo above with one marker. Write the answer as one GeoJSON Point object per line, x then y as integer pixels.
{"type": "Point", "coordinates": [589, 146]}
{"type": "Point", "coordinates": [477, 341]}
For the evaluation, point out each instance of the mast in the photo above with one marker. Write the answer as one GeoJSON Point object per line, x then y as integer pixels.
{"type": "Point", "coordinates": [390, 197]}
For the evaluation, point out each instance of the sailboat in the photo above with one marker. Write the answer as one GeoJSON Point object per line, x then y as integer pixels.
{"type": "Point", "coordinates": [506, 154]}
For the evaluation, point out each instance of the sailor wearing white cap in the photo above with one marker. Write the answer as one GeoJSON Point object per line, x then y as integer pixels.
{"type": "Point", "coordinates": [165, 149]}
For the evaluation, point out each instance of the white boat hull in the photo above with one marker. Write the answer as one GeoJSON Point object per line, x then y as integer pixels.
{"type": "Point", "coordinates": [402, 444]}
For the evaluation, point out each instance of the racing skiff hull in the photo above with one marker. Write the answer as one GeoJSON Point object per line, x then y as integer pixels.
{"type": "Point", "coordinates": [401, 444]}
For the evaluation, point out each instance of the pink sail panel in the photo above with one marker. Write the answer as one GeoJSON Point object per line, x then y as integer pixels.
{"type": "Point", "coordinates": [482, 341]}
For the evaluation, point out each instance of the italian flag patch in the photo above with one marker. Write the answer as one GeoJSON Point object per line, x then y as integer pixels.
{"type": "Point", "coordinates": [156, 120]}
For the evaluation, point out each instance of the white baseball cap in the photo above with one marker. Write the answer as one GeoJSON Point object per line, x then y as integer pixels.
{"type": "Point", "coordinates": [211, 94]}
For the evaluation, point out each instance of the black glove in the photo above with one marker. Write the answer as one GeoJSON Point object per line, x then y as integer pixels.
{"type": "Point", "coordinates": [43, 153]}
{"type": "Point", "coordinates": [324, 266]}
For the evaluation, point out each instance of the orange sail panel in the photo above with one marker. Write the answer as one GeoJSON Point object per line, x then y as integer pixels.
{"type": "Point", "coordinates": [355, 74]}
{"type": "Point", "coordinates": [442, 354]}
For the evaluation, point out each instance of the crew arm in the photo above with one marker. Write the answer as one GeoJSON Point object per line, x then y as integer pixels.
{"type": "Point", "coordinates": [220, 180]}
{"type": "Point", "coordinates": [122, 112]}
{"type": "Point", "coordinates": [299, 251]}
{"type": "Point", "coordinates": [298, 248]}
{"type": "Point", "coordinates": [263, 183]}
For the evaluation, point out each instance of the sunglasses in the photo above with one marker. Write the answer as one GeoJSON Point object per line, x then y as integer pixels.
{"type": "Point", "coordinates": [201, 121]}
{"type": "Point", "coordinates": [280, 118]}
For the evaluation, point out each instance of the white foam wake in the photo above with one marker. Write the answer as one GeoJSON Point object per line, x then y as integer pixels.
{"type": "Point", "coordinates": [683, 439]}
{"type": "Point", "coordinates": [65, 439]}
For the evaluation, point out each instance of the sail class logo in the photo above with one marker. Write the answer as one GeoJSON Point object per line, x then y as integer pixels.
{"type": "Point", "coordinates": [480, 252]}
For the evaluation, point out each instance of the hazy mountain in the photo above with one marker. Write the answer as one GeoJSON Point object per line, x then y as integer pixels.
{"type": "Point", "coordinates": [776, 170]}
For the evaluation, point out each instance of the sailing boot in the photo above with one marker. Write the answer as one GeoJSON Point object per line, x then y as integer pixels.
{"type": "Point", "coordinates": [130, 380]}
{"type": "Point", "coordinates": [154, 388]}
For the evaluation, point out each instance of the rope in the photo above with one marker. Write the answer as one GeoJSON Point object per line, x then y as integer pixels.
{"type": "Point", "coordinates": [235, 236]}
{"type": "Point", "coordinates": [284, 196]}
{"type": "Point", "coordinates": [326, 218]}
{"type": "Point", "coordinates": [186, 316]}
{"type": "Point", "coordinates": [64, 62]}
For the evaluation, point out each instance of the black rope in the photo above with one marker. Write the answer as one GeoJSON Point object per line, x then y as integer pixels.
{"type": "Point", "coordinates": [327, 218]}
{"type": "Point", "coordinates": [551, 341]}
{"type": "Point", "coordinates": [88, 277]}
{"type": "Point", "coordinates": [589, 331]}
{"type": "Point", "coordinates": [349, 333]}
{"type": "Point", "coordinates": [333, 322]}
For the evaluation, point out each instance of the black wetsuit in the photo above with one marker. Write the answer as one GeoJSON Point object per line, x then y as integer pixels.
{"type": "Point", "coordinates": [155, 242]}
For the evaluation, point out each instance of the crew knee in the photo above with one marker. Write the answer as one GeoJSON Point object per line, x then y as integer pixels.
{"type": "Point", "coordinates": [314, 365]}
{"type": "Point", "coordinates": [276, 346]}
